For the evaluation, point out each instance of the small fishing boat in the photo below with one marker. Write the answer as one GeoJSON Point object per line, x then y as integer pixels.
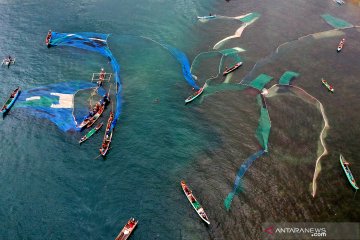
{"type": "Point", "coordinates": [127, 230]}
{"type": "Point", "coordinates": [345, 166]}
{"type": "Point", "coordinates": [340, 2]}
{"type": "Point", "coordinates": [195, 95]}
{"type": "Point", "coordinates": [196, 205]}
{"type": "Point", "coordinates": [207, 17]}
{"type": "Point", "coordinates": [96, 116]}
{"type": "Point", "coordinates": [48, 38]}
{"type": "Point", "coordinates": [90, 133]}
{"type": "Point", "coordinates": [95, 113]}
{"type": "Point", "coordinates": [8, 61]}
{"type": "Point", "coordinates": [11, 100]}
{"type": "Point", "coordinates": [341, 45]}
{"type": "Point", "coordinates": [327, 85]}
{"type": "Point", "coordinates": [107, 137]}
{"type": "Point", "coordinates": [233, 68]}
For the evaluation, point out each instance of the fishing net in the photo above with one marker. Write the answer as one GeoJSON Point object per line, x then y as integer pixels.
{"type": "Point", "coordinates": [95, 42]}
{"type": "Point", "coordinates": [209, 65]}
{"type": "Point", "coordinates": [185, 65]}
{"type": "Point", "coordinates": [336, 22]}
{"type": "Point", "coordinates": [287, 77]}
{"type": "Point", "coordinates": [55, 102]}
{"type": "Point", "coordinates": [260, 81]}
{"type": "Point", "coordinates": [250, 17]}
{"type": "Point", "coordinates": [237, 184]}
{"type": "Point", "coordinates": [264, 126]}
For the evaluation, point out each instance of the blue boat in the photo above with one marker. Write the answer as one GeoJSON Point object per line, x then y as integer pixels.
{"type": "Point", "coordinates": [10, 101]}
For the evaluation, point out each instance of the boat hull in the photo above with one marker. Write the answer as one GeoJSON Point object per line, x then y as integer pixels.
{"type": "Point", "coordinates": [236, 66]}
{"type": "Point", "coordinates": [127, 230]}
{"type": "Point", "coordinates": [199, 209]}
{"type": "Point", "coordinates": [327, 85]}
{"type": "Point", "coordinates": [7, 106]}
{"type": "Point", "coordinates": [92, 132]}
{"type": "Point", "coordinates": [348, 173]}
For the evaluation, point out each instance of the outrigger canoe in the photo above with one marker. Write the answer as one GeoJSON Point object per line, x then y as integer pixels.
{"type": "Point", "coordinates": [91, 132]}
{"type": "Point", "coordinates": [345, 166]}
{"type": "Point", "coordinates": [233, 68]}
{"type": "Point", "coordinates": [127, 230]}
{"type": "Point", "coordinates": [196, 205]}
{"type": "Point", "coordinates": [207, 17]}
{"type": "Point", "coordinates": [341, 45]}
{"type": "Point", "coordinates": [327, 85]}
{"type": "Point", "coordinates": [107, 137]}
{"type": "Point", "coordinates": [195, 95]}
{"type": "Point", "coordinates": [11, 100]}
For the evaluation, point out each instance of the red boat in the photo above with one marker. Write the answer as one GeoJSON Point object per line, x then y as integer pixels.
{"type": "Point", "coordinates": [107, 137]}
{"type": "Point", "coordinates": [48, 38]}
{"type": "Point", "coordinates": [196, 205]}
{"type": "Point", "coordinates": [127, 230]}
{"type": "Point", "coordinates": [233, 68]}
{"type": "Point", "coordinates": [195, 95]}
{"type": "Point", "coordinates": [341, 44]}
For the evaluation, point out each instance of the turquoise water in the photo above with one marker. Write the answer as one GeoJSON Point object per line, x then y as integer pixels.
{"type": "Point", "coordinates": [52, 188]}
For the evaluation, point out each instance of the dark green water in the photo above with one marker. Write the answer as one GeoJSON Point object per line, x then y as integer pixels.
{"type": "Point", "coordinates": [51, 188]}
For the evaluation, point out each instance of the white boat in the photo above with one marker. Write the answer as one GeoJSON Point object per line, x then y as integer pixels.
{"type": "Point", "coordinates": [207, 17]}
{"type": "Point", "coordinates": [8, 61]}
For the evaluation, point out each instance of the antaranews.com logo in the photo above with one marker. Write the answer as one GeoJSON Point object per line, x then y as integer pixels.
{"type": "Point", "coordinates": [313, 230]}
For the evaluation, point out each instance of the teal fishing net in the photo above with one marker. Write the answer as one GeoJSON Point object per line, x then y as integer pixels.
{"type": "Point", "coordinates": [287, 77]}
{"type": "Point", "coordinates": [336, 22]}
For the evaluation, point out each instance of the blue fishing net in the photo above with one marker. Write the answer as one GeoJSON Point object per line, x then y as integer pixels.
{"type": "Point", "coordinates": [95, 42]}
{"type": "Point", "coordinates": [244, 167]}
{"type": "Point", "coordinates": [55, 102]}
{"type": "Point", "coordinates": [183, 60]}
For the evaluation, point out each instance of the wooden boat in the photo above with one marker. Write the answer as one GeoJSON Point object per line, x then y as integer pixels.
{"type": "Point", "coordinates": [107, 137]}
{"type": "Point", "coordinates": [91, 132]}
{"type": "Point", "coordinates": [341, 45]}
{"type": "Point", "coordinates": [233, 68]}
{"type": "Point", "coordinates": [127, 230]}
{"type": "Point", "coordinates": [345, 166]}
{"type": "Point", "coordinates": [207, 17]}
{"type": "Point", "coordinates": [195, 95]}
{"type": "Point", "coordinates": [95, 113]}
{"type": "Point", "coordinates": [48, 39]}
{"type": "Point", "coordinates": [327, 85]}
{"type": "Point", "coordinates": [8, 61]}
{"type": "Point", "coordinates": [196, 205]}
{"type": "Point", "coordinates": [11, 100]}
{"type": "Point", "coordinates": [96, 116]}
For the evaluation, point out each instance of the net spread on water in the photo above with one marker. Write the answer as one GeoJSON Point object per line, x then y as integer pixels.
{"type": "Point", "coordinates": [250, 17]}
{"type": "Point", "coordinates": [260, 81]}
{"type": "Point", "coordinates": [96, 42]}
{"type": "Point", "coordinates": [287, 77]}
{"type": "Point", "coordinates": [55, 102]}
{"type": "Point", "coordinates": [336, 22]}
